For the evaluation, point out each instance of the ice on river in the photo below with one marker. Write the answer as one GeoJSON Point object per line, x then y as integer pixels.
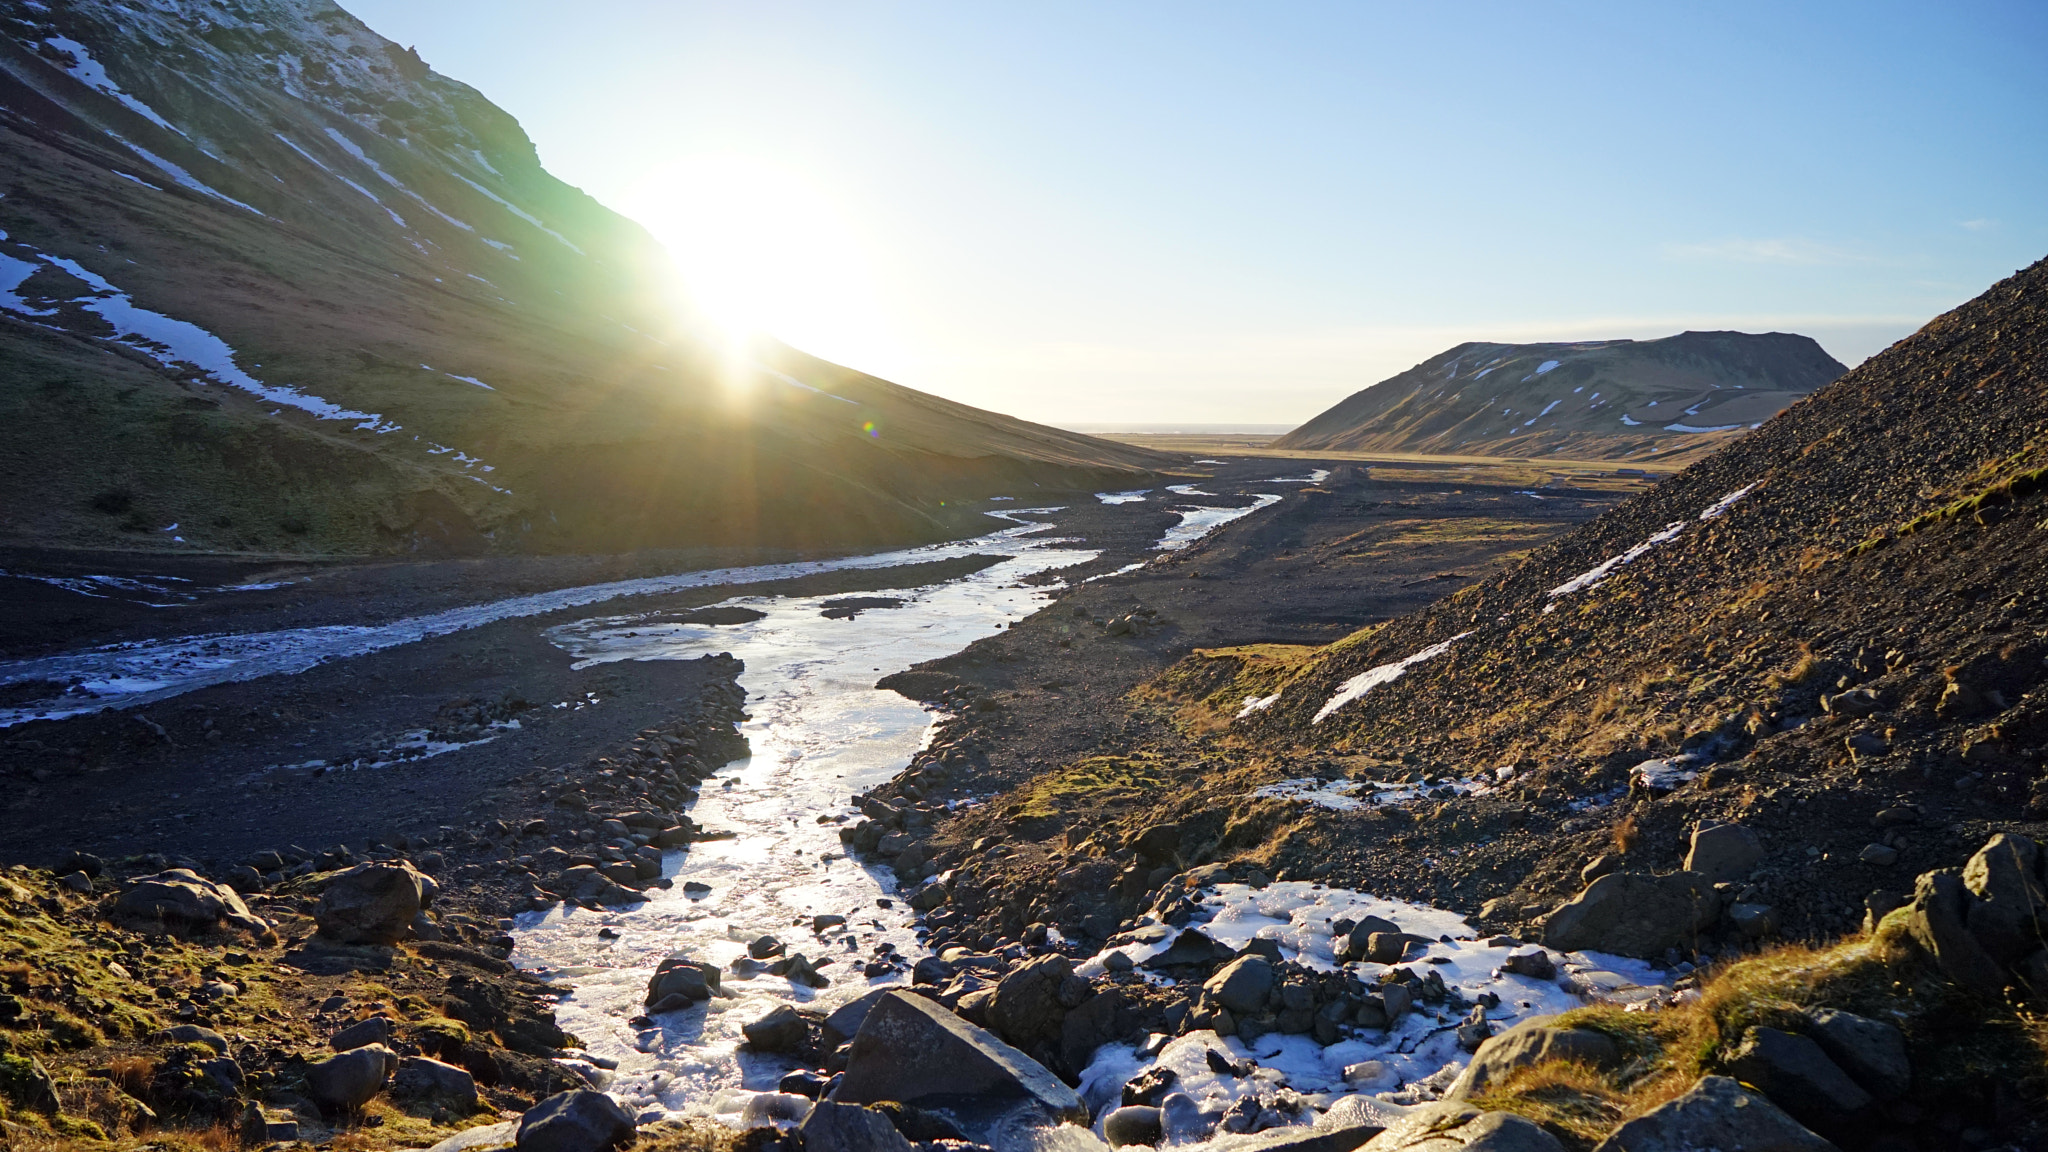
{"type": "Point", "coordinates": [820, 732]}
{"type": "Point", "coordinates": [141, 672]}
{"type": "Point", "coordinates": [1135, 496]}
{"type": "Point", "coordinates": [1196, 523]}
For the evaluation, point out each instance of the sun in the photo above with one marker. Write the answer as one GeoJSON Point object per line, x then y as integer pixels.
{"type": "Point", "coordinates": [764, 249]}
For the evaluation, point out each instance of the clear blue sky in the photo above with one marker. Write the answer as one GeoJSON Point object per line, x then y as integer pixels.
{"type": "Point", "coordinates": [1243, 212]}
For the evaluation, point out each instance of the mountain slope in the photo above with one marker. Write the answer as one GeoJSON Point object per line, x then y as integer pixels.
{"type": "Point", "coordinates": [266, 277]}
{"type": "Point", "coordinates": [1676, 398]}
{"type": "Point", "coordinates": [1844, 612]}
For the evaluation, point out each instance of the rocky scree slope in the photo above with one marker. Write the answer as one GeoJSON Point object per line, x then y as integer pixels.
{"type": "Point", "coordinates": [1675, 398]}
{"type": "Point", "coordinates": [268, 282]}
{"type": "Point", "coordinates": [1842, 618]}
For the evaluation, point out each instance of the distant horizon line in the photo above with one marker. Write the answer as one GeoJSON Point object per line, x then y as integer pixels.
{"type": "Point", "coordinates": [1098, 427]}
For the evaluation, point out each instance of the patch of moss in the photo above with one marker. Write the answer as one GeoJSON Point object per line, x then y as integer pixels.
{"type": "Point", "coordinates": [1093, 781]}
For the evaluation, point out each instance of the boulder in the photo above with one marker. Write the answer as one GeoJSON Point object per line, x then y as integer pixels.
{"type": "Point", "coordinates": [1723, 852]}
{"type": "Point", "coordinates": [1534, 963]}
{"type": "Point", "coordinates": [1634, 914]}
{"type": "Point", "coordinates": [373, 903]}
{"type": "Point", "coordinates": [1716, 1113]}
{"type": "Point", "coordinates": [195, 1034]}
{"type": "Point", "coordinates": [845, 1021]}
{"type": "Point", "coordinates": [1939, 923]}
{"type": "Point", "coordinates": [781, 1030]}
{"type": "Point", "coordinates": [909, 1048]}
{"type": "Point", "coordinates": [182, 901]}
{"type": "Point", "coordinates": [1798, 1077]}
{"type": "Point", "coordinates": [1872, 1052]}
{"type": "Point", "coordinates": [1242, 985]}
{"type": "Point", "coordinates": [578, 1120]}
{"type": "Point", "coordinates": [1150, 1086]}
{"type": "Point", "coordinates": [679, 982]}
{"type": "Point", "coordinates": [1133, 1124]}
{"type": "Point", "coordinates": [419, 1076]}
{"type": "Point", "coordinates": [2011, 902]}
{"type": "Point", "coordinates": [1530, 1042]}
{"type": "Point", "coordinates": [348, 1081]}
{"type": "Point", "coordinates": [375, 1030]}
{"type": "Point", "coordinates": [1160, 842]}
{"type": "Point", "coordinates": [1295, 1138]}
{"type": "Point", "coordinates": [833, 1127]}
{"type": "Point", "coordinates": [1029, 1006]}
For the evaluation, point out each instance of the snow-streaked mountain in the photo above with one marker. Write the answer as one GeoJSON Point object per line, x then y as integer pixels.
{"type": "Point", "coordinates": [1672, 399]}
{"type": "Point", "coordinates": [267, 277]}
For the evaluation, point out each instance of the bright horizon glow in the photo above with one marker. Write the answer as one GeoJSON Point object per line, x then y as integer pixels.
{"type": "Point", "coordinates": [1212, 213]}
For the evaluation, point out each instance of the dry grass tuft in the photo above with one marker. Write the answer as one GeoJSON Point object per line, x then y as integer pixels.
{"type": "Point", "coordinates": [1626, 835]}
{"type": "Point", "coordinates": [1800, 672]}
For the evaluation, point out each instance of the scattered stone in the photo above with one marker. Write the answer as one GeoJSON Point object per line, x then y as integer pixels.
{"type": "Point", "coordinates": [679, 982]}
{"type": "Point", "coordinates": [1133, 1124]}
{"type": "Point", "coordinates": [823, 921]}
{"type": "Point", "coordinates": [260, 1128]}
{"type": "Point", "coordinates": [839, 1127]}
{"type": "Point", "coordinates": [76, 881]}
{"type": "Point", "coordinates": [802, 1082]}
{"type": "Point", "coordinates": [1938, 923]}
{"type": "Point", "coordinates": [195, 1034]}
{"type": "Point", "coordinates": [1534, 963]}
{"type": "Point", "coordinates": [1634, 914]}
{"type": "Point", "coordinates": [373, 902]}
{"type": "Point", "coordinates": [375, 1030]}
{"type": "Point", "coordinates": [764, 947]}
{"type": "Point", "coordinates": [1754, 921]}
{"type": "Point", "coordinates": [2011, 902]}
{"type": "Point", "coordinates": [1872, 1052]}
{"type": "Point", "coordinates": [1242, 985]}
{"type": "Point", "coordinates": [420, 1076]}
{"type": "Point", "coordinates": [1150, 1086]}
{"type": "Point", "coordinates": [1798, 1076]}
{"type": "Point", "coordinates": [1879, 855]}
{"type": "Point", "coordinates": [781, 1030]}
{"type": "Point", "coordinates": [1716, 1113]}
{"type": "Point", "coordinates": [182, 901]}
{"type": "Point", "coordinates": [1723, 852]}
{"type": "Point", "coordinates": [1446, 1126]}
{"type": "Point", "coordinates": [350, 1080]}
{"type": "Point", "coordinates": [84, 862]}
{"type": "Point", "coordinates": [579, 1120]}
{"type": "Point", "coordinates": [1531, 1042]}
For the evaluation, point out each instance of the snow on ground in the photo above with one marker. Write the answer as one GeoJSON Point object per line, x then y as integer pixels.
{"type": "Point", "coordinates": [1597, 575]}
{"type": "Point", "coordinates": [1372, 678]}
{"type": "Point", "coordinates": [174, 342]}
{"type": "Point", "coordinates": [1315, 476]}
{"type": "Point", "coordinates": [1421, 1046]}
{"type": "Point", "coordinates": [1134, 496]}
{"type": "Point", "coordinates": [183, 178]}
{"type": "Point", "coordinates": [1546, 366]}
{"type": "Point", "coordinates": [470, 380]}
{"type": "Point", "coordinates": [516, 210]}
{"type": "Point", "coordinates": [1351, 795]}
{"type": "Point", "coordinates": [1720, 507]}
{"type": "Point", "coordinates": [1187, 490]}
{"type": "Point", "coordinates": [1631, 423]}
{"type": "Point", "coordinates": [315, 161]}
{"type": "Point", "coordinates": [1256, 704]}
{"type": "Point", "coordinates": [93, 74]}
{"type": "Point", "coordinates": [1695, 428]}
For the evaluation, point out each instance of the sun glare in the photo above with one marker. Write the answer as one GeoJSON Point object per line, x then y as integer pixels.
{"type": "Point", "coordinates": [762, 250]}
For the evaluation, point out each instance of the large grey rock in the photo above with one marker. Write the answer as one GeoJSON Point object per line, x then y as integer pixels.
{"type": "Point", "coordinates": [1939, 923]}
{"type": "Point", "coordinates": [1716, 1113]}
{"type": "Point", "coordinates": [835, 1127]}
{"type": "Point", "coordinates": [910, 1049]}
{"type": "Point", "coordinates": [1634, 914]}
{"type": "Point", "coordinates": [182, 901]}
{"type": "Point", "coordinates": [373, 903]}
{"type": "Point", "coordinates": [578, 1120]}
{"type": "Point", "coordinates": [1872, 1052]}
{"type": "Point", "coordinates": [419, 1076]}
{"type": "Point", "coordinates": [1798, 1076]}
{"type": "Point", "coordinates": [1530, 1042]}
{"type": "Point", "coordinates": [1723, 852]}
{"type": "Point", "coordinates": [350, 1080]}
{"type": "Point", "coordinates": [845, 1021]}
{"type": "Point", "coordinates": [2011, 903]}
{"type": "Point", "coordinates": [1448, 1126]}
{"type": "Point", "coordinates": [1242, 985]}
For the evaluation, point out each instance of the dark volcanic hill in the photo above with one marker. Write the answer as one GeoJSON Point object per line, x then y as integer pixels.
{"type": "Point", "coordinates": [268, 282]}
{"type": "Point", "coordinates": [1675, 399]}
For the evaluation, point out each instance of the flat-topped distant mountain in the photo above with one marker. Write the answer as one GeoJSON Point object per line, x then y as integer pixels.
{"type": "Point", "coordinates": [1671, 399]}
{"type": "Point", "coordinates": [270, 283]}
